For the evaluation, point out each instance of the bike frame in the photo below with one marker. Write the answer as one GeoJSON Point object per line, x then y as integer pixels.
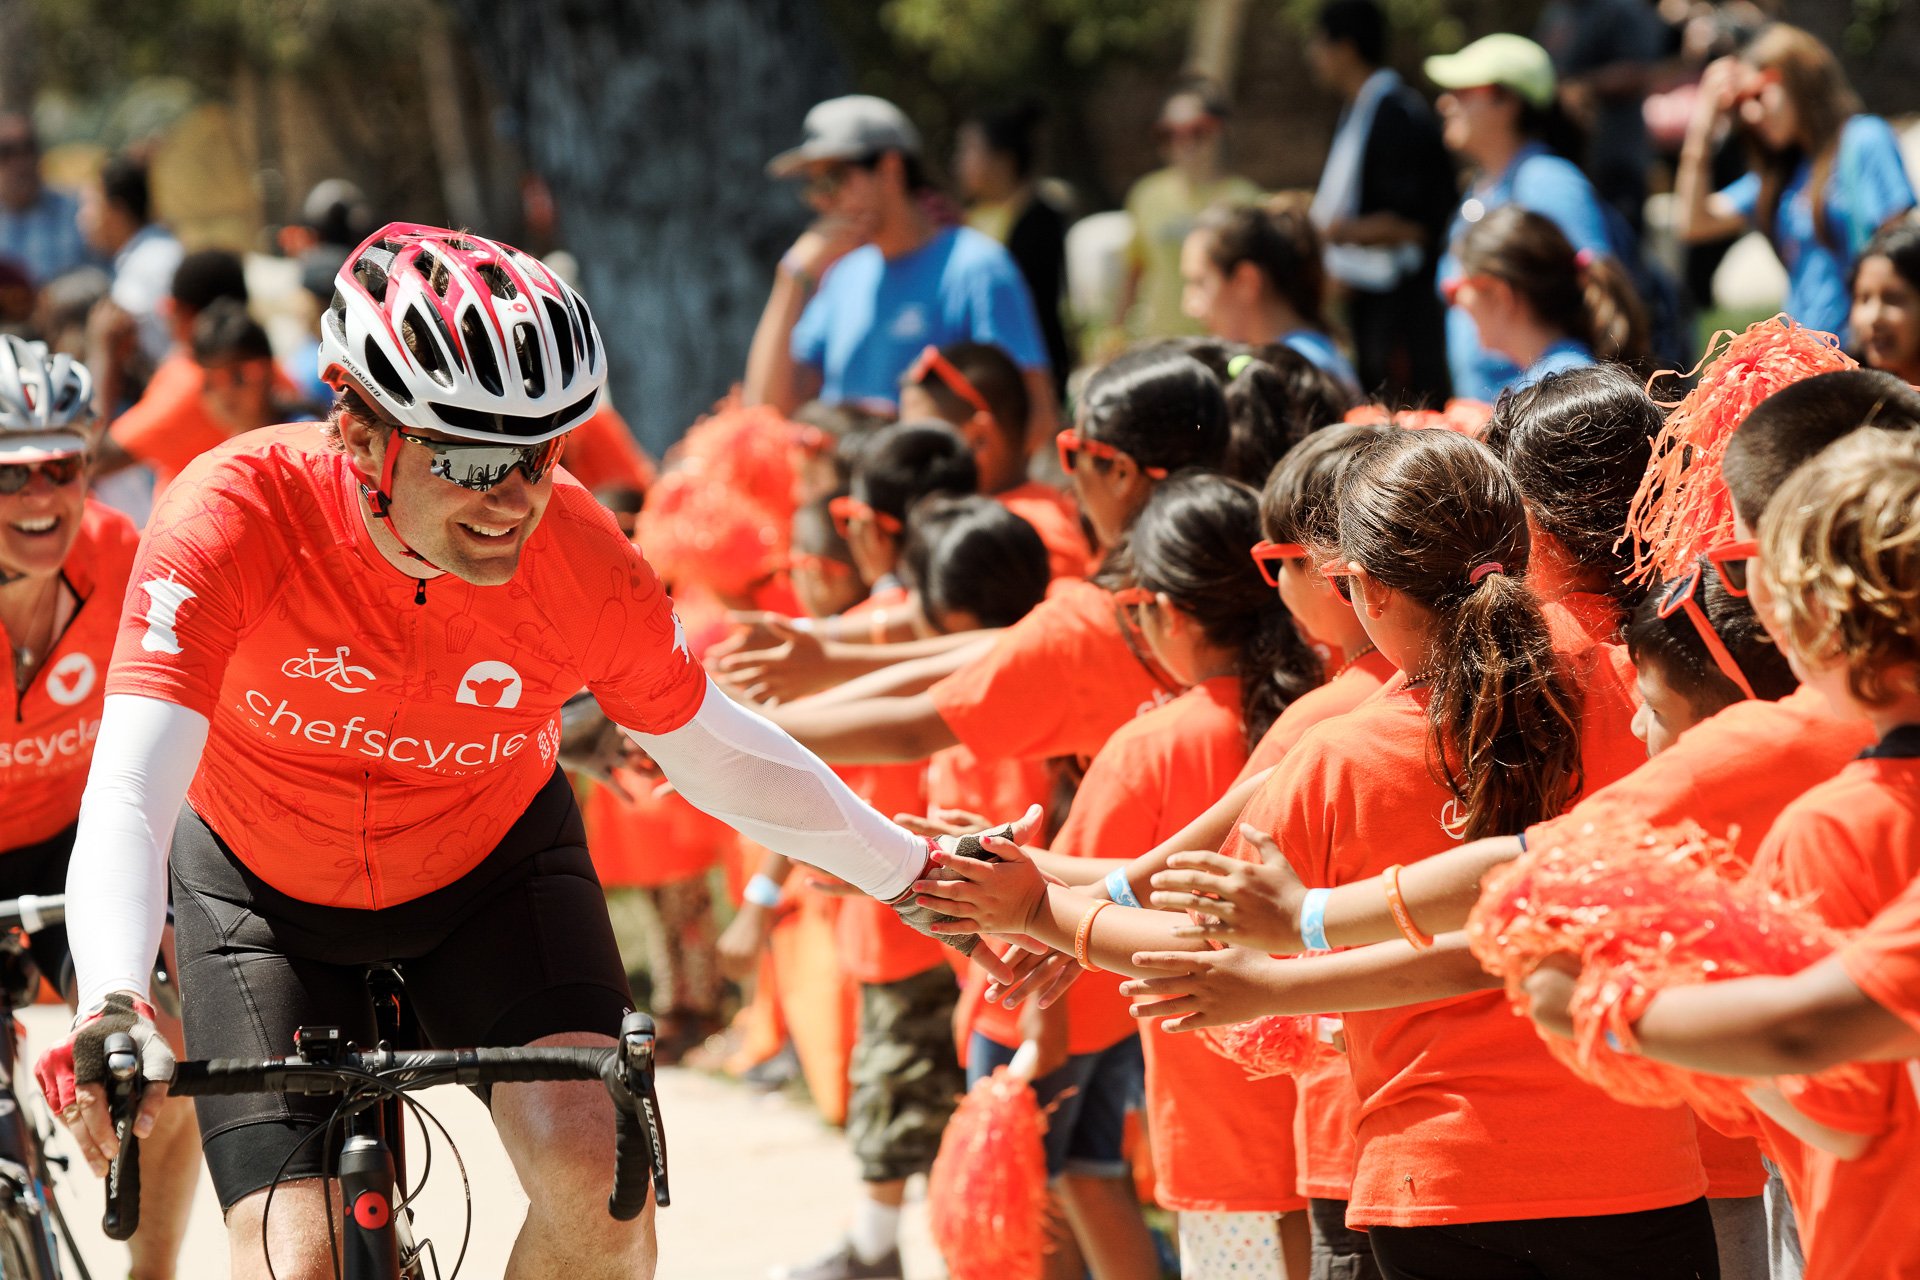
{"type": "Point", "coordinates": [22, 1157]}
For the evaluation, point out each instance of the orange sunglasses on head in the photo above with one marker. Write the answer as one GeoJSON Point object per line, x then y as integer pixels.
{"type": "Point", "coordinates": [1341, 576]}
{"type": "Point", "coordinates": [1072, 442]}
{"type": "Point", "coordinates": [1681, 595]}
{"type": "Point", "coordinates": [846, 509]}
{"type": "Point", "coordinates": [1450, 290]}
{"type": "Point", "coordinates": [1268, 555]}
{"type": "Point", "coordinates": [1729, 560]}
{"type": "Point", "coordinates": [1132, 597]}
{"type": "Point", "coordinates": [930, 361]}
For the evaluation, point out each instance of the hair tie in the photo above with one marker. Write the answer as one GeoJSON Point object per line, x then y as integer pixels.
{"type": "Point", "coordinates": [1584, 259]}
{"type": "Point", "coordinates": [1482, 570]}
{"type": "Point", "coordinates": [1238, 365]}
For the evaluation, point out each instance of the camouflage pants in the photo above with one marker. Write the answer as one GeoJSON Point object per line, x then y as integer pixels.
{"type": "Point", "coordinates": [906, 1076]}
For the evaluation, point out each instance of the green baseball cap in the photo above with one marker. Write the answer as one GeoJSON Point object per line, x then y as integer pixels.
{"type": "Point", "coordinates": [1510, 61]}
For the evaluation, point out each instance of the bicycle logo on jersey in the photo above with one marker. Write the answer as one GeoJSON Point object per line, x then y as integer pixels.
{"type": "Point", "coordinates": [336, 671]}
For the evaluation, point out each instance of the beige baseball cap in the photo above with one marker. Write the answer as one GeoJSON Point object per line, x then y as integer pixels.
{"type": "Point", "coordinates": [1510, 61]}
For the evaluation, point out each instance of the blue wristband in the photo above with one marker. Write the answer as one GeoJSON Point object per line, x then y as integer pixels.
{"type": "Point", "coordinates": [1120, 889]}
{"type": "Point", "coordinates": [761, 891]}
{"type": "Point", "coordinates": [1313, 920]}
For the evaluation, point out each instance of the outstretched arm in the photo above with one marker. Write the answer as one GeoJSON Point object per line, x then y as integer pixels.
{"type": "Point", "coordinates": [870, 731]}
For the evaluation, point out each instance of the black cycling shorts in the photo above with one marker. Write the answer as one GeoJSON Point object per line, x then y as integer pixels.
{"type": "Point", "coordinates": [517, 949]}
{"type": "Point", "coordinates": [41, 869]}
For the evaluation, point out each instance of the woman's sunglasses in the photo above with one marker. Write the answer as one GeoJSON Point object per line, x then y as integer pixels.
{"type": "Point", "coordinates": [479, 465]}
{"type": "Point", "coordinates": [1268, 555]}
{"type": "Point", "coordinates": [1682, 595]}
{"type": "Point", "coordinates": [15, 476]}
{"type": "Point", "coordinates": [846, 510]}
{"type": "Point", "coordinates": [1071, 442]}
{"type": "Point", "coordinates": [1729, 560]}
{"type": "Point", "coordinates": [1341, 577]}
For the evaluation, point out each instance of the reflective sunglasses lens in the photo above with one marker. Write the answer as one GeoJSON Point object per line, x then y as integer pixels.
{"type": "Point", "coordinates": [14, 477]}
{"type": "Point", "coordinates": [481, 467]}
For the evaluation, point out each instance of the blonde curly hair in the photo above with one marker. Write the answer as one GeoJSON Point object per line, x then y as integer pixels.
{"type": "Point", "coordinates": [1840, 553]}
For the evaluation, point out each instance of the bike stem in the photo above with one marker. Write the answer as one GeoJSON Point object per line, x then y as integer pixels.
{"type": "Point", "coordinates": [370, 1248]}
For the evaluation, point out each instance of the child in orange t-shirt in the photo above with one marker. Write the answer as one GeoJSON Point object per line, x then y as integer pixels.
{"type": "Point", "coordinates": [977, 389]}
{"type": "Point", "coordinates": [1839, 583]}
{"type": "Point", "coordinates": [1221, 1142]}
{"type": "Point", "coordinates": [1491, 732]}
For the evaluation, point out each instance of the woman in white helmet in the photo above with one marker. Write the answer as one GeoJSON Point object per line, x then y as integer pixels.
{"type": "Point", "coordinates": [64, 562]}
{"type": "Point", "coordinates": [353, 641]}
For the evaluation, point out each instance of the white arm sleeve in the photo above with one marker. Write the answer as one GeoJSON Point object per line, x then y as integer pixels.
{"type": "Point", "coordinates": [145, 756]}
{"type": "Point", "coordinates": [750, 774]}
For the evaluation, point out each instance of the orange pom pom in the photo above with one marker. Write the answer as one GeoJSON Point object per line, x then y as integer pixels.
{"type": "Point", "coordinates": [987, 1194]}
{"type": "Point", "coordinates": [697, 532]}
{"type": "Point", "coordinates": [1644, 909]}
{"type": "Point", "coordinates": [753, 453]}
{"type": "Point", "coordinates": [1682, 507]}
{"type": "Point", "coordinates": [1276, 1045]}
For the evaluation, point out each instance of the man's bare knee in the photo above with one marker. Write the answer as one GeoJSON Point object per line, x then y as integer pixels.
{"type": "Point", "coordinates": [295, 1231]}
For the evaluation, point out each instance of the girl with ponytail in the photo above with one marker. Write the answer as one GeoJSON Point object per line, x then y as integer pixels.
{"type": "Point", "coordinates": [1495, 725]}
{"type": "Point", "coordinates": [1541, 304]}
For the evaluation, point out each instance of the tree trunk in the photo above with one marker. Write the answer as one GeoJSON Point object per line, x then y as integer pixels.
{"type": "Point", "coordinates": [18, 78]}
{"type": "Point", "coordinates": [653, 123]}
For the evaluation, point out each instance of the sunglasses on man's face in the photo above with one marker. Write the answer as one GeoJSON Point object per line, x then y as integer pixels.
{"type": "Point", "coordinates": [1683, 595]}
{"type": "Point", "coordinates": [825, 183]}
{"type": "Point", "coordinates": [1269, 555]}
{"type": "Point", "coordinates": [1729, 560]}
{"type": "Point", "coordinates": [479, 465]}
{"type": "Point", "coordinates": [15, 476]}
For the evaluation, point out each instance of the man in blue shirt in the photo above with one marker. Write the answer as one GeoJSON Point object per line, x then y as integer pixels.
{"type": "Point", "coordinates": [37, 226]}
{"type": "Point", "coordinates": [876, 279]}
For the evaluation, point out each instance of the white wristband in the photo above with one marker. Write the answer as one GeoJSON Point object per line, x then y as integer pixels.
{"type": "Point", "coordinates": [761, 891]}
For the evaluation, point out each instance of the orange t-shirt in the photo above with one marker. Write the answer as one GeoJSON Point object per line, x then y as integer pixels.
{"type": "Point", "coordinates": [44, 758]}
{"type": "Point", "coordinates": [602, 451]}
{"type": "Point", "coordinates": [1346, 689]}
{"type": "Point", "coordinates": [372, 738]}
{"type": "Point", "coordinates": [876, 946]}
{"type": "Point", "coordinates": [169, 426]}
{"type": "Point", "coordinates": [1323, 1119]}
{"type": "Point", "coordinates": [1056, 519]}
{"type": "Point", "coordinates": [1463, 1114]}
{"type": "Point", "coordinates": [649, 840]}
{"type": "Point", "coordinates": [1221, 1143]}
{"type": "Point", "coordinates": [1732, 773]}
{"type": "Point", "coordinates": [1056, 683]}
{"type": "Point", "coordinates": [1851, 847]}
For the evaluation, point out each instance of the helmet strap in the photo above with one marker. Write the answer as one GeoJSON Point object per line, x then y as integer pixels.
{"type": "Point", "coordinates": [380, 501]}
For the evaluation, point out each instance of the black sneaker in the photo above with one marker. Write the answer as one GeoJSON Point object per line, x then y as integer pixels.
{"type": "Point", "coordinates": [844, 1264]}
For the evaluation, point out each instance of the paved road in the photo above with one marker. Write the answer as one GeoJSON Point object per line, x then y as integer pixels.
{"type": "Point", "coordinates": [757, 1181]}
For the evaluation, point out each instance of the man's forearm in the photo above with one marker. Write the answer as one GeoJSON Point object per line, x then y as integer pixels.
{"type": "Point", "coordinates": [771, 373]}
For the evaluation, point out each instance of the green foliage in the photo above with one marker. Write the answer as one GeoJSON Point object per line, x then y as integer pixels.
{"type": "Point", "coordinates": [1419, 27]}
{"type": "Point", "coordinates": [1867, 25]}
{"type": "Point", "coordinates": [1005, 41]}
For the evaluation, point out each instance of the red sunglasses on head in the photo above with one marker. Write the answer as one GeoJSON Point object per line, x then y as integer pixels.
{"type": "Point", "coordinates": [1072, 442]}
{"type": "Point", "coordinates": [845, 510]}
{"type": "Point", "coordinates": [1268, 555]}
{"type": "Point", "coordinates": [1450, 290]}
{"type": "Point", "coordinates": [1729, 560]}
{"type": "Point", "coordinates": [1132, 597]}
{"type": "Point", "coordinates": [930, 361]}
{"type": "Point", "coordinates": [1681, 595]}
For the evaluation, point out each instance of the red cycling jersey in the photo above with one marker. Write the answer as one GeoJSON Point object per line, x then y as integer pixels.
{"type": "Point", "coordinates": [366, 749]}
{"type": "Point", "coordinates": [44, 757]}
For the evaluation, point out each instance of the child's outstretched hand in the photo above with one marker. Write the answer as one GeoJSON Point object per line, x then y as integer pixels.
{"type": "Point", "coordinates": [986, 897]}
{"type": "Point", "coordinates": [1194, 989]}
{"type": "Point", "coordinates": [1255, 905]}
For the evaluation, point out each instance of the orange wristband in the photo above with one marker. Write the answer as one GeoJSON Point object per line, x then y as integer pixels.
{"type": "Point", "coordinates": [1398, 905]}
{"type": "Point", "coordinates": [1084, 934]}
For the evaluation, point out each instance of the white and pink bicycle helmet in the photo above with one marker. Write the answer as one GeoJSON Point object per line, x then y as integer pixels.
{"type": "Point", "coordinates": [445, 331]}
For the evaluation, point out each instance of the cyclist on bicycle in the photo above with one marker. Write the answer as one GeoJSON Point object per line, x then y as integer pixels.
{"type": "Point", "coordinates": [64, 561]}
{"type": "Point", "coordinates": [414, 813]}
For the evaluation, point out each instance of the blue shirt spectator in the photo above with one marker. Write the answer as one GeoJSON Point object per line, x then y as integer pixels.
{"type": "Point", "coordinates": [874, 314]}
{"type": "Point", "coordinates": [1562, 356]}
{"type": "Point", "coordinates": [1550, 186]}
{"type": "Point", "coordinates": [1867, 186]}
{"type": "Point", "coordinates": [1319, 348]}
{"type": "Point", "coordinates": [38, 227]}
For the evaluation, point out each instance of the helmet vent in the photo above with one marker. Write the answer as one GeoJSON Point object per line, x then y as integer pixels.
{"type": "Point", "coordinates": [499, 283]}
{"type": "Point", "coordinates": [460, 244]}
{"type": "Point", "coordinates": [480, 350]}
{"type": "Point", "coordinates": [386, 375]}
{"type": "Point", "coordinates": [557, 317]}
{"type": "Point", "coordinates": [438, 276]}
{"type": "Point", "coordinates": [372, 276]}
{"type": "Point", "coordinates": [415, 331]}
{"type": "Point", "coordinates": [583, 322]}
{"type": "Point", "coordinates": [533, 375]}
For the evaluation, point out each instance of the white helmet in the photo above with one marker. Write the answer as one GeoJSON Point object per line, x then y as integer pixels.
{"type": "Point", "coordinates": [46, 402]}
{"type": "Point", "coordinates": [445, 331]}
